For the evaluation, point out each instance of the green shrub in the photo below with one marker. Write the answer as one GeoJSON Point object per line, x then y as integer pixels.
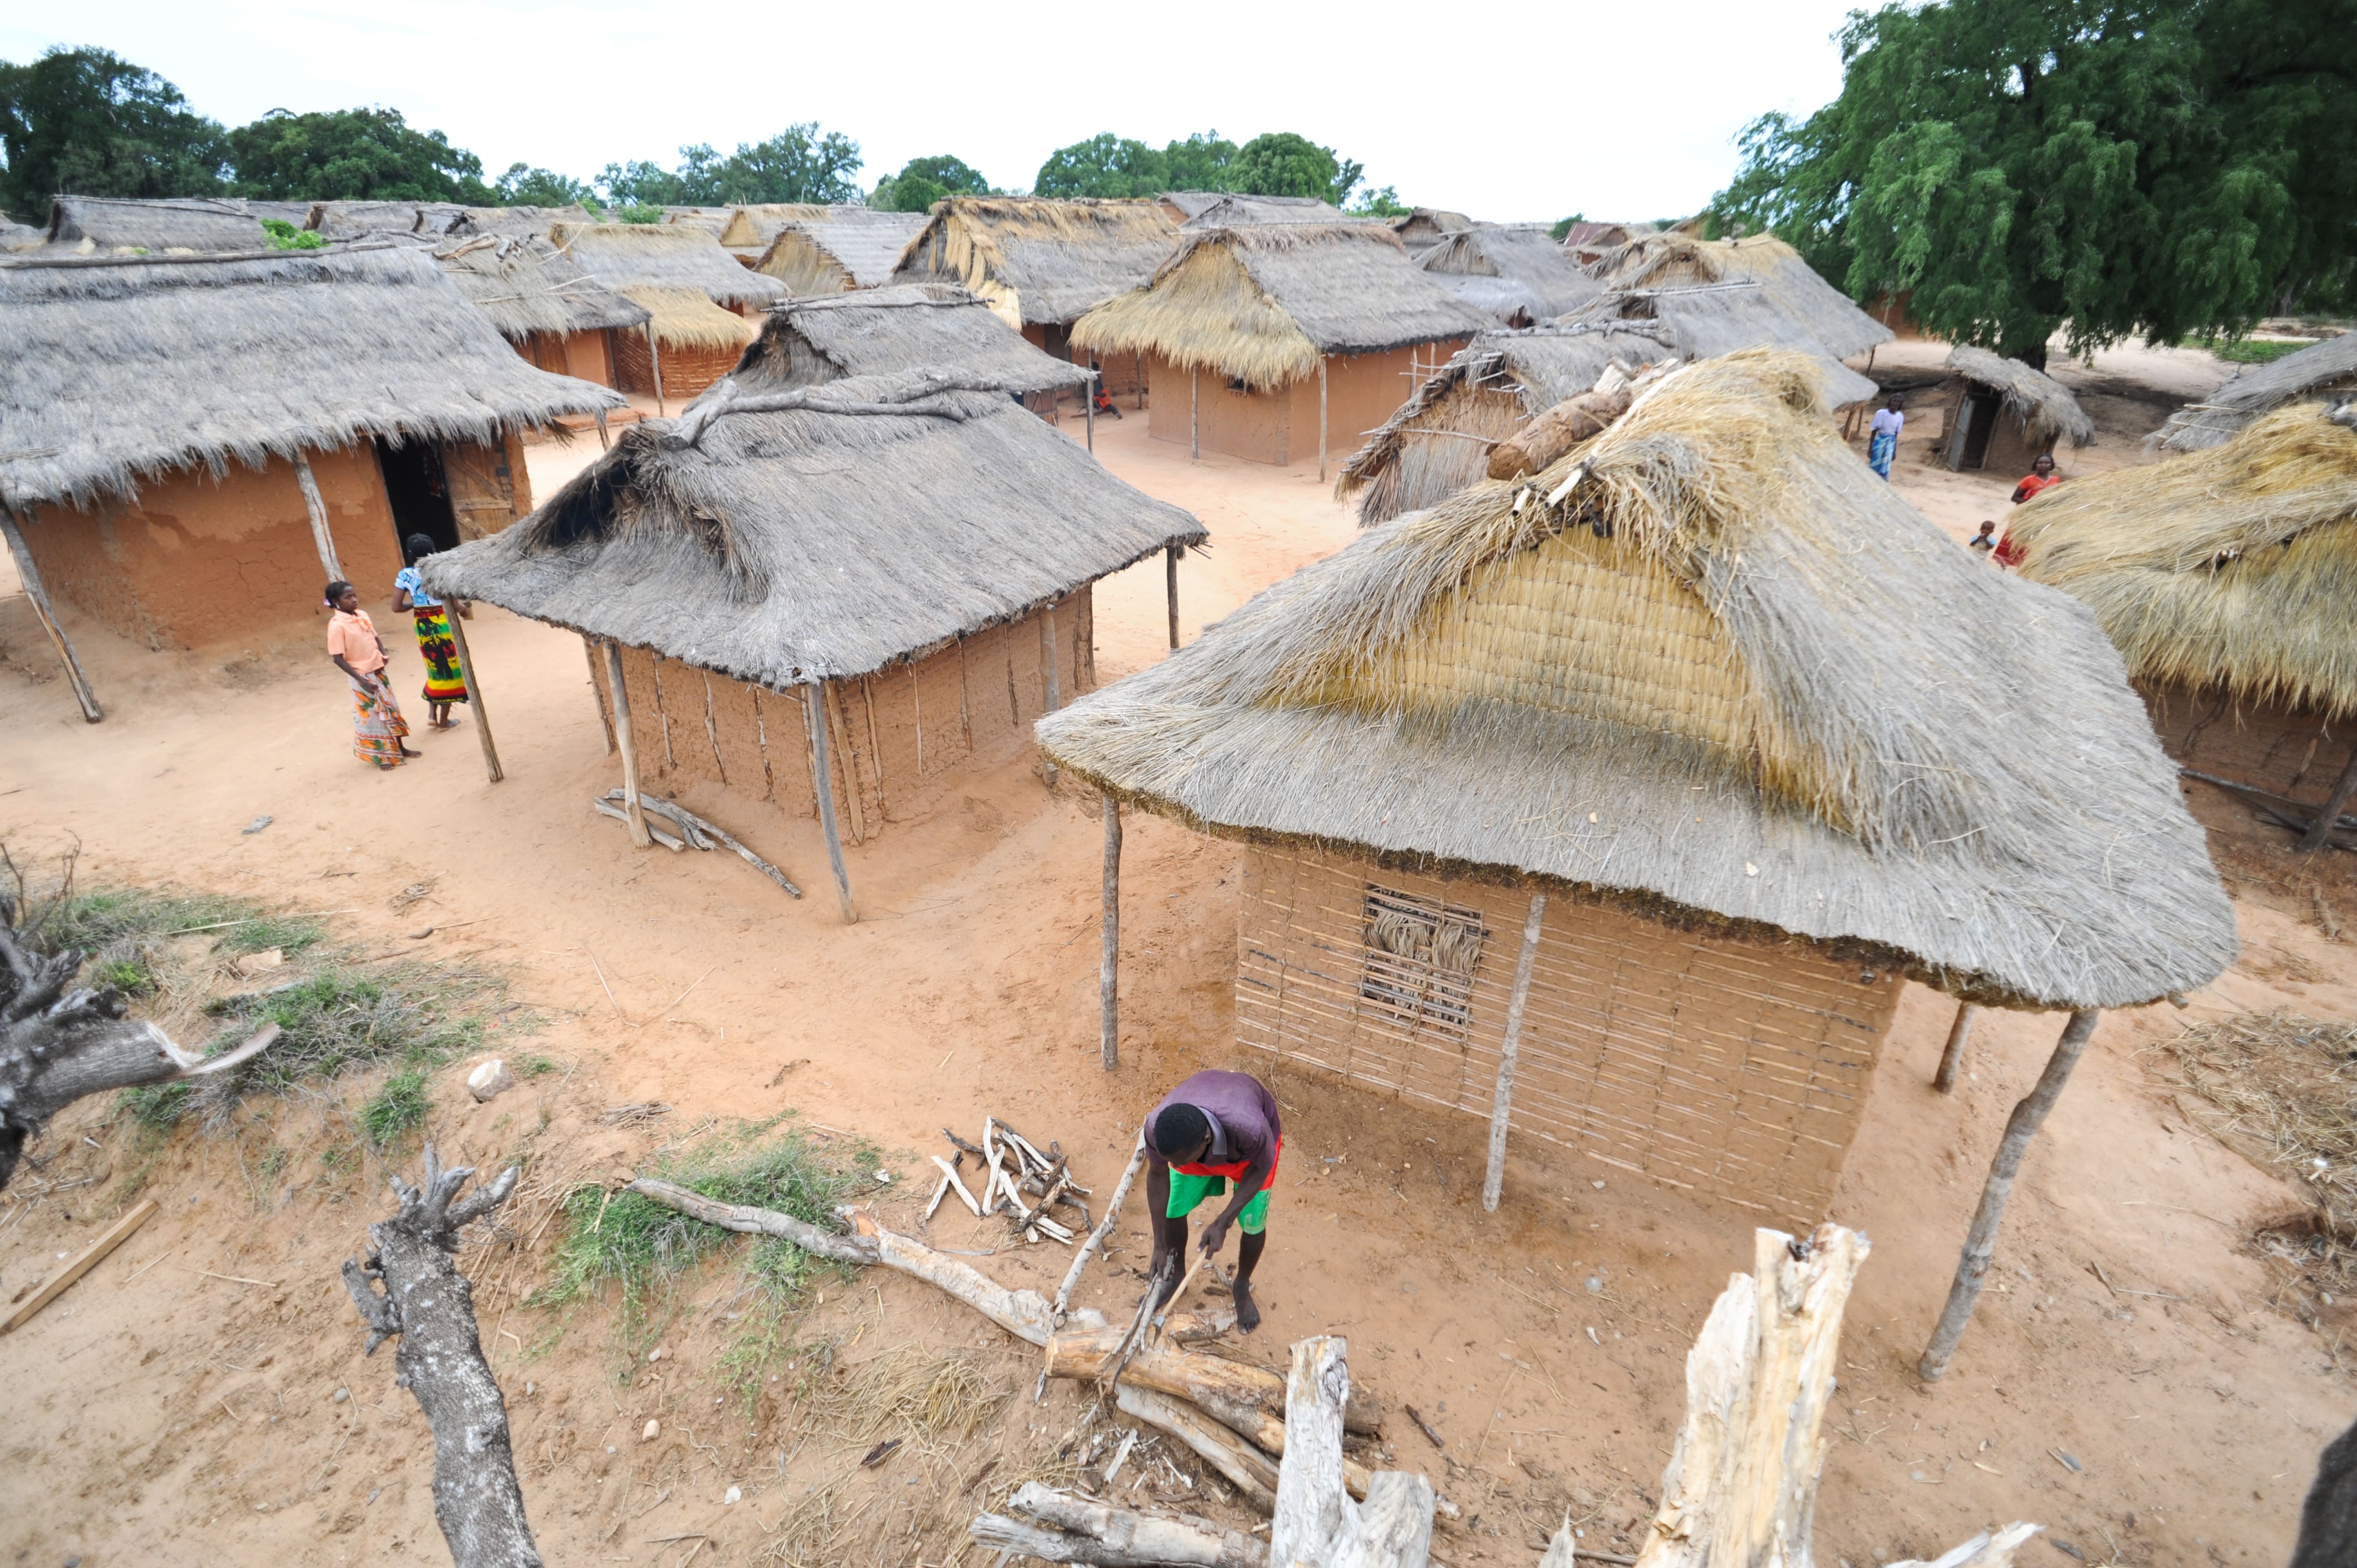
{"type": "Point", "coordinates": [397, 1107]}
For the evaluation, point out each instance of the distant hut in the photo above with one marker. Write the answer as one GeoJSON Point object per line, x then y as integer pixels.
{"type": "Point", "coordinates": [1040, 264]}
{"type": "Point", "coordinates": [838, 600]}
{"type": "Point", "coordinates": [361, 220]}
{"type": "Point", "coordinates": [1421, 228]}
{"type": "Point", "coordinates": [830, 338]}
{"type": "Point", "coordinates": [2227, 578]}
{"type": "Point", "coordinates": [195, 445]}
{"type": "Point", "coordinates": [511, 222]}
{"type": "Point", "coordinates": [1587, 242]}
{"type": "Point", "coordinates": [1235, 211]}
{"type": "Point", "coordinates": [752, 227]}
{"type": "Point", "coordinates": [710, 220]}
{"type": "Point", "coordinates": [700, 300]}
{"type": "Point", "coordinates": [1514, 273]}
{"type": "Point", "coordinates": [2001, 415]}
{"type": "Point", "coordinates": [1181, 205]}
{"type": "Point", "coordinates": [556, 315]}
{"type": "Point", "coordinates": [2325, 368]}
{"type": "Point", "coordinates": [1439, 441]}
{"type": "Point", "coordinates": [1283, 336]}
{"type": "Point", "coordinates": [1720, 290]}
{"type": "Point", "coordinates": [1615, 806]}
{"type": "Point", "coordinates": [831, 250]}
{"type": "Point", "coordinates": [121, 226]}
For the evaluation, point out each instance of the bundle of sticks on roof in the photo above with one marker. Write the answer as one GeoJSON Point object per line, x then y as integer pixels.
{"type": "Point", "coordinates": [1017, 1180]}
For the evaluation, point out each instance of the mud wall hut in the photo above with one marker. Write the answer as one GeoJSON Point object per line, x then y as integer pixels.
{"type": "Point", "coordinates": [831, 250]}
{"type": "Point", "coordinates": [702, 306]}
{"type": "Point", "coordinates": [2002, 416]}
{"type": "Point", "coordinates": [196, 444]}
{"type": "Point", "coordinates": [1656, 776]}
{"type": "Point", "coordinates": [1514, 273]}
{"type": "Point", "coordinates": [2328, 369]}
{"type": "Point", "coordinates": [830, 337]}
{"type": "Point", "coordinates": [122, 226]}
{"type": "Point", "coordinates": [555, 314]}
{"type": "Point", "coordinates": [1284, 339]}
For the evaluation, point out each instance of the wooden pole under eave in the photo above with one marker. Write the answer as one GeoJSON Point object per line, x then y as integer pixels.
{"type": "Point", "coordinates": [1170, 585]}
{"type": "Point", "coordinates": [1109, 964]}
{"type": "Point", "coordinates": [1980, 1242]}
{"type": "Point", "coordinates": [1051, 687]}
{"type": "Point", "coordinates": [1501, 1103]}
{"type": "Point", "coordinates": [631, 807]}
{"type": "Point", "coordinates": [605, 713]}
{"type": "Point", "coordinates": [474, 692]}
{"type": "Point", "coordinates": [1953, 1058]}
{"type": "Point", "coordinates": [2319, 832]}
{"type": "Point", "coordinates": [814, 716]}
{"type": "Point", "coordinates": [1194, 413]}
{"type": "Point", "coordinates": [1321, 419]}
{"type": "Point", "coordinates": [654, 363]}
{"type": "Point", "coordinates": [1089, 394]}
{"type": "Point", "coordinates": [321, 537]}
{"type": "Point", "coordinates": [30, 577]}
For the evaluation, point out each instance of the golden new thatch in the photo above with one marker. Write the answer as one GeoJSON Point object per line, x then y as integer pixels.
{"type": "Point", "coordinates": [678, 273]}
{"type": "Point", "coordinates": [1035, 262]}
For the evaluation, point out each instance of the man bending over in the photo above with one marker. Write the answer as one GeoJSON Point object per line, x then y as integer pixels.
{"type": "Point", "coordinates": [1215, 1129]}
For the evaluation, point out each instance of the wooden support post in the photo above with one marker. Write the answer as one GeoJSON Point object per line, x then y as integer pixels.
{"type": "Point", "coordinates": [1501, 1103]}
{"type": "Point", "coordinates": [30, 576]}
{"type": "Point", "coordinates": [1194, 413]}
{"type": "Point", "coordinates": [1321, 418]}
{"type": "Point", "coordinates": [1051, 686]}
{"type": "Point", "coordinates": [621, 695]}
{"type": "Point", "coordinates": [321, 537]}
{"type": "Point", "coordinates": [1109, 964]}
{"type": "Point", "coordinates": [1952, 1058]}
{"type": "Point", "coordinates": [89, 1258]}
{"type": "Point", "coordinates": [1980, 1242]}
{"type": "Point", "coordinates": [1089, 393]}
{"type": "Point", "coordinates": [1170, 586]}
{"type": "Point", "coordinates": [815, 716]}
{"type": "Point", "coordinates": [475, 690]}
{"type": "Point", "coordinates": [605, 713]}
{"type": "Point", "coordinates": [654, 363]}
{"type": "Point", "coordinates": [1137, 372]}
{"type": "Point", "coordinates": [2320, 833]}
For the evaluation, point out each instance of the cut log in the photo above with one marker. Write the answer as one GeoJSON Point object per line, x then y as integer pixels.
{"type": "Point", "coordinates": [670, 842]}
{"type": "Point", "coordinates": [1209, 1381]}
{"type": "Point", "coordinates": [1058, 1528]}
{"type": "Point", "coordinates": [689, 821]}
{"type": "Point", "coordinates": [1990, 1549]}
{"type": "Point", "coordinates": [1315, 1524]}
{"type": "Point", "coordinates": [752, 1221]}
{"type": "Point", "coordinates": [1247, 1469]}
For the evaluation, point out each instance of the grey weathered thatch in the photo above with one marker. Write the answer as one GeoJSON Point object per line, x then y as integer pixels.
{"type": "Point", "coordinates": [1727, 676]}
{"type": "Point", "coordinates": [750, 227]}
{"type": "Point", "coordinates": [1438, 442]}
{"type": "Point", "coordinates": [825, 250]}
{"type": "Point", "coordinates": [1234, 211]}
{"type": "Point", "coordinates": [2327, 367]}
{"type": "Point", "coordinates": [1420, 227]}
{"type": "Point", "coordinates": [1676, 265]}
{"type": "Point", "coordinates": [1707, 319]}
{"type": "Point", "coordinates": [1035, 260]}
{"type": "Point", "coordinates": [361, 220]}
{"type": "Point", "coordinates": [2043, 406]}
{"type": "Point", "coordinates": [524, 285]}
{"type": "Point", "coordinates": [664, 256]}
{"type": "Point", "coordinates": [15, 236]}
{"type": "Point", "coordinates": [119, 225]}
{"type": "Point", "coordinates": [1184, 204]}
{"type": "Point", "coordinates": [121, 370]}
{"type": "Point", "coordinates": [1513, 271]}
{"type": "Point", "coordinates": [834, 336]}
{"type": "Point", "coordinates": [464, 222]}
{"type": "Point", "coordinates": [791, 538]}
{"type": "Point", "coordinates": [1264, 304]}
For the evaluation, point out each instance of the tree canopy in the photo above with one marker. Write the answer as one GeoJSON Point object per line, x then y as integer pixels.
{"type": "Point", "coordinates": [1282, 163]}
{"type": "Point", "coordinates": [924, 181]}
{"type": "Point", "coordinates": [89, 121]}
{"type": "Point", "coordinates": [2163, 168]}
{"type": "Point", "coordinates": [352, 155]}
{"type": "Point", "coordinates": [1109, 165]}
{"type": "Point", "coordinates": [524, 186]}
{"type": "Point", "coordinates": [800, 163]}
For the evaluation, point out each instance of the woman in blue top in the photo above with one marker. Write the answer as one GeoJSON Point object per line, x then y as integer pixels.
{"type": "Point", "coordinates": [1882, 442]}
{"type": "Point", "coordinates": [443, 682]}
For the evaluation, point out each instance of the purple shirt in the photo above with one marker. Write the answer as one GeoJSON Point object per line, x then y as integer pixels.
{"type": "Point", "coordinates": [1245, 1123]}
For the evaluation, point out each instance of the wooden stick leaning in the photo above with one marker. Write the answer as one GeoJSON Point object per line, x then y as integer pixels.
{"type": "Point", "coordinates": [695, 825]}
{"type": "Point", "coordinates": [29, 576]}
{"type": "Point", "coordinates": [88, 1259]}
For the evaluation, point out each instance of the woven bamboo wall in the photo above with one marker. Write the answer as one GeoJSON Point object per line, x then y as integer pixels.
{"type": "Point", "coordinates": [1733, 1067]}
{"type": "Point", "coordinates": [687, 368]}
{"type": "Point", "coordinates": [2292, 753]}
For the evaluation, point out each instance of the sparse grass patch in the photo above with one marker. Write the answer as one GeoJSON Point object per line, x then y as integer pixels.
{"type": "Point", "coordinates": [531, 1066]}
{"type": "Point", "coordinates": [128, 975]}
{"type": "Point", "coordinates": [2259, 350]}
{"type": "Point", "coordinates": [398, 1106]}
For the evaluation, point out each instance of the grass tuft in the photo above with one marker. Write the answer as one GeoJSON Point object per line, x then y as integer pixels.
{"type": "Point", "coordinates": [2259, 350]}
{"type": "Point", "coordinates": [397, 1107]}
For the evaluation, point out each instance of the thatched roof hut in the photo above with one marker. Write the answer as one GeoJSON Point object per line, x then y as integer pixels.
{"type": "Point", "coordinates": [1438, 442]}
{"type": "Point", "coordinates": [1425, 226]}
{"type": "Point", "coordinates": [830, 337]}
{"type": "Point", "coordinates": [526, 285]}
{"type": "Point", "coordinates": [2330, 366]}
{"type": "Point", "coordinates": [1035, 262]}
{"type": "Point", "coordinates": [360, 219]}
{"type": "Point", "coordinates": [752, 227]}
{"type": "Point", "coordinates": [1743, 310]}
{"type": "Point", "coordinates": [696, 292]}
{"type": "Point", "coordinates": [1701, 280]}
{"type": "Point", "coordinates": [1234, 211]}
{"type": "Point", "coordinates": [127, 226]}
{"type": "Point", "coordinates": [2002, 414]}
{"type": "Point", "coordinates": [1182, 205]}
{"type": "Point", "coordinates": [1586, 241]}
{"type": "Point", "coordinates": [1514, 272]}
{"type": "Point", "coordinates": [827, 250]}
{"type": "Point", "coordinates": [509, 221]}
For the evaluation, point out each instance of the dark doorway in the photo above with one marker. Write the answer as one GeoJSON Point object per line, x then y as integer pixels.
{"type": "Point", "coordinates": [1981, 423]}
{"type": "Point", "coordinates": [420, 495]}
{"type": "Point", "coordinates": [1057, 340]}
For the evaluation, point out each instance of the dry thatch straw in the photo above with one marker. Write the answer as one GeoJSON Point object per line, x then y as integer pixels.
{"type": "Point", "coordinates": [124, 226]}
{"type": "Point", "coordinates": [1439, 441]}
{"type": "Point", "coordinates": [508, 221]}
{"type": "Point", "coordinates": [2044, 406]}
{"type": "Point", "coordinates": [1708, 665]}
{"type": "Point", "coordinates": [907, 1392]}
{"type": "Point", "coordinates": [1237, 212]}
{"type": "Point", "coordinates": [15, 236]}
{"type": "Point", "coordinates": [2328, 367]}
{"type": "Point", "coordinates": [1264, 306]}
{"type": "Point", "coordinates": [122, 369]}
{"type": "Point", "coordinates": [1422, 227]}
{"type": "Point", "coordinates": [1515, 272]}
{"type": "Point", "coordinates": [1679, 268]}
{"type": "Point", "coordinates": [2234, 567]}
{"type": "Point", "coordinates": [1038, 260]}
{"type": "Point", "coordinates": [361, 220]}
{"type": "Point", "coordinates": [786, 538]}
{"type": "Point", "coordinates": [524, 285]}
{"type": "Point", "coordinates": [830, 337]}
{"type": "Point", "coordinates": [670, 257]}
{"type": "Point", "coordinates": [827, 250]}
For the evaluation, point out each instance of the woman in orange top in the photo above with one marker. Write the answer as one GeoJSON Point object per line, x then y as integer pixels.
{"type": "Point", "coordinates": [355, 649]}
{"type": "Point", "coordinates": [2041, 476]}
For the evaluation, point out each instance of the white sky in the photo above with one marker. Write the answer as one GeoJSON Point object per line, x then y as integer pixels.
{"type": "Point", "coordinates": [1515, 108]}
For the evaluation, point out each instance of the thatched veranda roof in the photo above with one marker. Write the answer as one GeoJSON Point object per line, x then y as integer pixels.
{"type": "Point", "coordinates": [678, 273]}
{"type": "Point", "coordinates": [524, 285]}
{"type": "Point", "coordinates": [124, 225]}
{"type": "Point", "coordinates": [1037, 260]}
{"type": "Point", "coordinates": [828, 532]}
{"type": "Point", "coordinates": [829, 249]}
{"type": "Point", "coordinates": [1264, 304]}
{"type": "Point", "coordinates": [1439, 441]}
{"type": "Point", "coordinates": [1677, 264]}
{"type": "Point", "coordinates": [2232, 568]}
{"type": "Point", "coordinates": [124, 370]}
{"type": "Point", "coordinates": [878, 331]}
{"type": "Point", "coordinates": [2043, 406]}
{"type": "Point", "coordinates": [1514, 273]}
{"type": "Point", "coordinates": [1184, 204]}
{"type": "Point", "coordinates": [1234, 211]}
{"type": "Point", "coordinates": [1728, 678]}
{"type": "Point", "coordinates": [2330, 366]}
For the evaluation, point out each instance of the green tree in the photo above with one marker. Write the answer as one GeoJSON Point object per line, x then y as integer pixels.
{"type": "Point", "coordinates": [524, 186]}
{"type": "Point", "coordinates": [1105, 166]}
{"type": "Point", "coordinates": [1560, 230]}
{"type": "Point", "coordinates": [1383, 203]}
{"type": "Point", "coordinates": [641, 183]}
{"type": "Point", "coordinates": [800, 163]}
{"type": "Point", "coordinates": [352, 155]}
{"type": "Point", "coordinates": [91, 124]}
{"type": "Point", "coordinates": [924, 181]}
{"type": "Point", "coordinates": [1284, 164]}
{"type": "Point", "coordinates": [1204, 161]}
{"type": "Point", "coordinates": [2167, 168]}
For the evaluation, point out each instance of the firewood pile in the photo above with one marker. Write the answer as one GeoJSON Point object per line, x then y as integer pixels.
{"type": "Point", "coordinates": [1018, 1179]}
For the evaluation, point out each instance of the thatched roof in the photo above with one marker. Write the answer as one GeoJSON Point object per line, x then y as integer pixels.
{"type": "Point", "coordinates": [800, 536]}
{"type": "Point", "coordinates": [1421, 226]}
{"type": "Point", "coordinates": [1709, 319]}
{"type": "Point", "coordinates": [513, 220]}
{"type": "Point", "coordinates": [1514, 272]}
{"type": "Point", "coordinates": [1788, 288]}
{"type": "Point", "coordinates": [1185, 204]}
{"type": "Point", "coordinates": [1038, 261]}
{"type": "Point", "coordinates": [2232, 568]}
{"type": "Point", "coordinates": [834, 336]}
{"type": "Point", "coordinates": [358, 219]}
{"type": "Point", "coordinates": [122, 369]}
{"type": "Point", "coordinates": [122, 225]}
{"type": "Point", "coordinates": [1439, 441]}
{"type": "Point", "coordinates": [829, 249]}
{"type": "Point", "coordinates": [1264, 305]}
{"type": "Point", "coordinates": [524, 285]}
{"type": "Point", "coordinates": [2329, 366]}
{"type": "Point", "coordinates": [15, 236]}
{"type": "Point", "coordinates": [750, 227]}
{"type": "Point", "coordinates": [2044, 405]}
{"type": "Point", "coordinates": [678, 273]}
{"type": "Point", "coordinates": [1234, 210]}
{"type": "Point", "coordinates": [1729, 677]}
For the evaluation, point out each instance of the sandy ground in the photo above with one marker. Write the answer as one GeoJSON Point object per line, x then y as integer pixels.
{"type": "Point", "coordinates": [163, 1413]}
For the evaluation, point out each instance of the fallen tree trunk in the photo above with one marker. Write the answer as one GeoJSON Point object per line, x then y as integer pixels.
{"type": "Point", "coordinates": [1057, 1528]}
{"type": "Point", "coordinates": [751, 1222]}
{"type": "Point", "coordinates": [1315, 1524]}
{"type": "Point", "coordinates": [1219, 1385]}
{"type": "Point", "coordinates": [428, 1304]}
{"type": "Point", "coordinates": [1247, 1469]}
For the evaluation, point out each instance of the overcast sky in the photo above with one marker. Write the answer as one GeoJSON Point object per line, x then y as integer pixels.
{"type": "Point", "coordinates": [1513, 109]}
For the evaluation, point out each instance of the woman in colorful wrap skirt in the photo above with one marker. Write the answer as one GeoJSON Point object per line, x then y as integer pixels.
{"type": "Point", "coordinates": [355, 649]}
{"type": "Point", "coordinates": [443, 682]}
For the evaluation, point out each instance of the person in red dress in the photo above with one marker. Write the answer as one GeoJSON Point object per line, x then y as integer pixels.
{"type": "Point", "coordinates": [1214, 1132]}
{"type": "Point", "coordinates": [2041, 476]}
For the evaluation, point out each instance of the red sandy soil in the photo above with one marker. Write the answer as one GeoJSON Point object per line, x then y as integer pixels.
{"type": "Point", "coordinates": [160, 1412]}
